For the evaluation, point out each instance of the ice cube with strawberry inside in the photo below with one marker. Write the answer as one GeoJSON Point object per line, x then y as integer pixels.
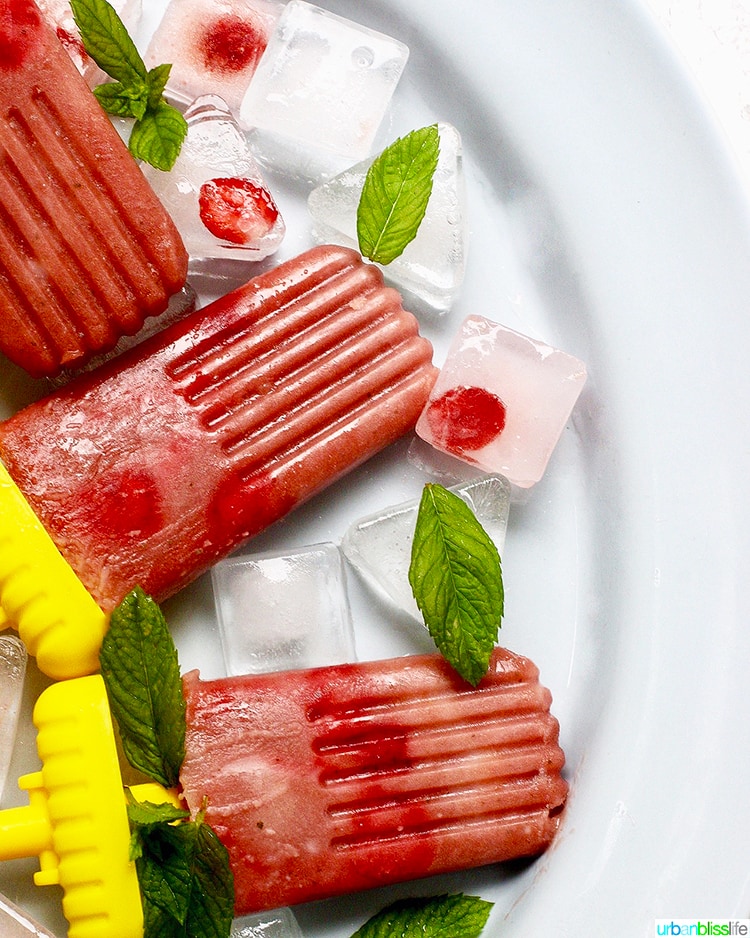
{"type": "Point", "coordinates": [501, 400]}
{"type": "Point", "coordinates": [214, 46]}
{"type": "Point", "coordinates": [215, 192]}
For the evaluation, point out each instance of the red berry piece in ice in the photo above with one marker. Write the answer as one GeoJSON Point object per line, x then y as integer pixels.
{"type": "Point", "coordinates": [231, 44]}
{"type": "Point", "coordinates": [236, 210]}
{"type": "Point", "coordinates": [466, 418]}
{"type": "Point", "coordinates": [72, 44]}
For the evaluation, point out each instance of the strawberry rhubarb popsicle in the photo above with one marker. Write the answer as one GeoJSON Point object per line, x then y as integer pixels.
{"type": "Point", "coordinates": [157, 464]}
{"type": "Point", "coordinates": [87, 251]}
{"type": "Point", "coordinates": [342, 778]}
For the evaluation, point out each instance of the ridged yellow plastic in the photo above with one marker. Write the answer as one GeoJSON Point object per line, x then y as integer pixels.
{"type": "Point", "coordinates": [76, 820]}
{"type": "Point", "coordinates": [41, 596]}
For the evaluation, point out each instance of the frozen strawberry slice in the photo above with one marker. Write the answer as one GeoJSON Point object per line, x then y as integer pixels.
{"type": "Point", "coordinates": [336, 779]}
{"type": "Point", "coordinates": [237, 210]}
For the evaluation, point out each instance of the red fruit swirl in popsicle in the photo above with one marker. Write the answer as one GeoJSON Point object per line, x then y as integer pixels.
{"type": "Point", "coordinates": [87, 251]}
{"type": "Point", "coordinates": [160, 462]}
{"type": "Point", "coordinates": [343, 778]}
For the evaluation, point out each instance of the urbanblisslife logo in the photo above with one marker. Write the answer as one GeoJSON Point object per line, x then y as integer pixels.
{"type": "Point", "coordinates": [704, 926]}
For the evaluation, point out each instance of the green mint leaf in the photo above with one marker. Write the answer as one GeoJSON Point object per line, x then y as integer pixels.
{"type": "Point", "coordinates": [395, 194]}
{"type": "Point", "coordinates": [142, 675]}
{"type": "Point", "coordinates": [158, 137]}
{"type": "Point", "coordinates": [157, 82]}
{"type": "Point", "coordinates": [122, 100]}
{"type": "Point", "coordinates": [211, 909]}
{"type": "Point", "coordinates": [456, 577]}
{"type": "Point", "coordinates": [106, 40]}
{"type": "Point", "coordinates": [165, 873]}
{"type": "Point", "coordinates": [456, 916]}
{"type": "Point", "coordinates": [186, 882]}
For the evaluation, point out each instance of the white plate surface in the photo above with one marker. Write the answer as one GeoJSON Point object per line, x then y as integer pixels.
{"type": "Point", "coordinates": [607, 220]}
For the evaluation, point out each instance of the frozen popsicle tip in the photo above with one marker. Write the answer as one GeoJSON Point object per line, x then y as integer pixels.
{"type": "Point", "coordinates": [214, 46]}
{"type": "Point", "coordinates": [40, 595]}
{"type": "Point", "coordinates": [501, 401]}
{"type": "Point", "coordinates": [346, 777]}
{"type": "Point", "coordinates": [154, 467]}
{"type": "Point", "coordinates": [216, 193]}
{"type": "Point", "coordinates": [88, 251]}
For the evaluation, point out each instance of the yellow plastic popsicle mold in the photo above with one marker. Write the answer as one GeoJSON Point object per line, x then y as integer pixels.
{"type": "Point", "coordinates": [76, 821]}
{"type": "Point", "coordinates": [41, 596]}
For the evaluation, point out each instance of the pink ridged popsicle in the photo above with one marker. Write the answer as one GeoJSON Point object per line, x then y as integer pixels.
{"type": "Point", "coordinates": [153, 467]}
{"type": "Point", "coordinates": [87, 251]}
{"type": "Point", "coordinates": [342, 778]}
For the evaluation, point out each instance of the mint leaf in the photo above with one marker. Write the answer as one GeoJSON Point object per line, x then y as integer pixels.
{"type": "Point", "coordinates": [395, 194]}
{"type": "Point", "coordinates": [186, 882]}
{"type": "Point", "coordinates": [159, 129]}
{"type": "Point", "coordinates": [142, 675]}
{"type": "Point", "coordinates": [456, 916]}
{"type": "Point", "coordinates": [157, 138]}
{"type": "Point", "coordinates": [106, 40]}
{"type": "Point", "coordinates": [123, 101]}
{"type": "Point", "coordinates": [144, 817]}
{"type": "Point", "coordinates": [157, 82]}
{"type": "Point", "coordinates": [456, 577]}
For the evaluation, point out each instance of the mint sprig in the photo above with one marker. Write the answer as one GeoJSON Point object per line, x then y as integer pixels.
{"type": "Point", "coordinates": [449, 916]}
{"type": "Point", "coordinates": [185, 877]}
{"type": "Point", "coordinates": [456, 577]}
{"type": "Point", "coordinates": [395, 194]}
{"type": "Point", "coordinates": [159, 129]}
{"type": "Point", "coordinates": [142, 674]}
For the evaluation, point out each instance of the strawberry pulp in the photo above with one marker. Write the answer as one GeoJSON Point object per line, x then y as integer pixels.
{"type": "Point", "coordinates": [237, 210]}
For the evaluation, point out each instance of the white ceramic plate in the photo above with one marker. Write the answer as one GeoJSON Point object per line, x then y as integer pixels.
{"type": "Point", "coordinates": [607, 220]}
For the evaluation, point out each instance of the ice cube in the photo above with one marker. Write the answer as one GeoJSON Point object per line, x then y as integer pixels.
{"type": "Point", "coordinates": [280, 923]}
{"type": "Point", "coordinates": [379, 546]}
{"type": "Point", "coordinates": [283, 610]}
{"type": "Point", "coordinates": [60, 16]}
{"type": "Point", "coordinates": [215, 192]}
{"type": "Point", "coordinates": [501, 400]}
{"type": "Point", "coordinates": [214, 46]}
{"type": "Point", "coordinates": [12, 674]}
{"type": "Point", "coordinates": [432, 266]}
{"type": "Point", "coordinates": [323, 85]}
{"type": "Point", "coordinates": [14, 923]}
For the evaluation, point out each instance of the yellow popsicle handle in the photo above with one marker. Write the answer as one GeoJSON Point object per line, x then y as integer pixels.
{"type": "Point", "coordinates": [76, 821]}
{"type": "Point", "coordinates": [41, 596]}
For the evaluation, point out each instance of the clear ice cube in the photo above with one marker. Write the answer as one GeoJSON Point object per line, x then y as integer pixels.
{"type": "Point", "coordinates": [432, 266]}
{"type": "Point", "coordinates": [283, 610]}
{"type": "Point", "coordinates": [215, 192]}
{"type": "Point", "coordinates": [280, 923]}
{"type": "Point", "coordinates": [501, 400]}
{"type": "Point", "coordinates": [324, 85]}
{"type": "Point", "coordinates": [14, 923]}
{"type": "Point", "coordinates": [12, 674]}
{"type": "Point", "coordinates": [379, 546]}
{"type": "Point", "coordinates": [59, 15]}
{"type": "Point", "coordinates": [214, 46]}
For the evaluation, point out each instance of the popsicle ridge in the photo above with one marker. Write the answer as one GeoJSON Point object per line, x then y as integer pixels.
{"type": "Point", "coordinates": [158, 464]}
{"type": "Point", "coordinates": [88, 252]}
{"type": "Point", "coordinates": [336, 779]}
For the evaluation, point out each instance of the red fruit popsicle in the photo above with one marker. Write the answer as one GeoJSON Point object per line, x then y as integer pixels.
{"type": "Point", "coordinates": [87, 251]}
{"type": "Point", "coordinates": [338, 779]}
{"type": "Point", "coordinates": [148, 470]}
